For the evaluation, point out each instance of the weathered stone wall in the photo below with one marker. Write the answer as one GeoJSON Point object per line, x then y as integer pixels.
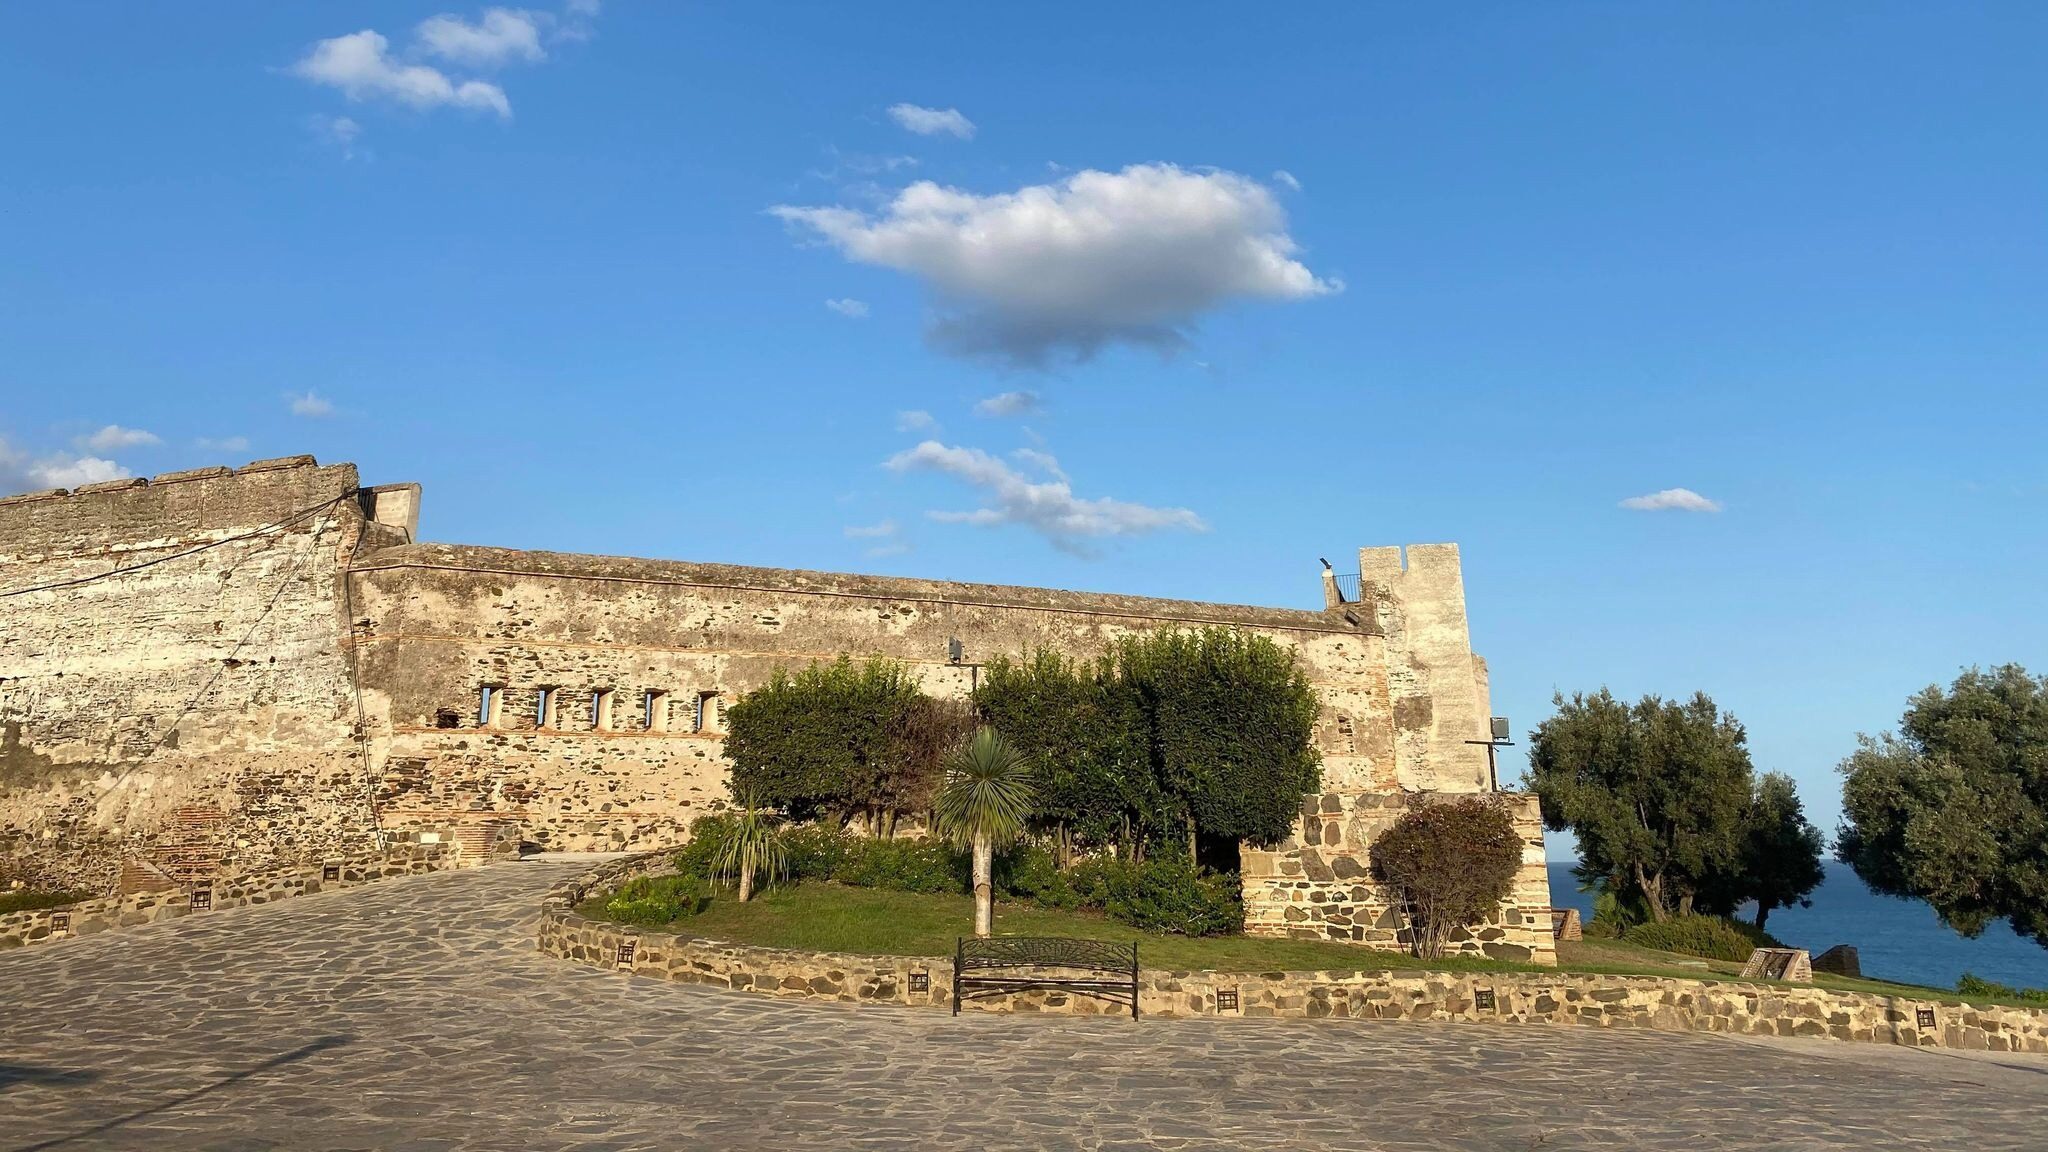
{"type": "Point", "coordinates": [1318, 885]}
{"type": "Point", "coordinates": [196, 712]}
{"type": "Point", "coordinates": [88, 917]}
{"type": "Point", "coordinates": [1593, 1000]}
{"type": "Point", "coordinates": [447, 621]}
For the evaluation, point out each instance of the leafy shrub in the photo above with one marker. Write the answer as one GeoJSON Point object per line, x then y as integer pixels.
{"type": "Point", "coordinates": [1032, 872]}
{"type": "Point", "coordinates": [1452, 862]}
{"type": "Point", "coordinates": [32, 899]}
{"type": "Point", "coordinates": [901, 865]}
{"type": "Point", "coordinates": [1598, 929]}
{"type": "Point", "coordinates": [1971, 985]}
{"type": "Point", "coordinates": [1711, 937]}
{"type": "Point", "coordinates": [1173, 896]}
{"type": "Point", "coordinates": [654, 900]}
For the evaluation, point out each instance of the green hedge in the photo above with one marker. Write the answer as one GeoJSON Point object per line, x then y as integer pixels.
{"type": "Point", "coordinates": [1157, 896]}
{"type": "Point", "coordinates": [30, 899]}
{"type": "Point", "coordinates": [1711, 937]}
{"type": "Point", "coordinates": [1971, 985]}
{"type": "Point", "coordinates": [658, 899]}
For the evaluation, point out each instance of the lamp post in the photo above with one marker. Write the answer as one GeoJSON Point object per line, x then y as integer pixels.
{"type": "Point", "coordinates": [1499, 739]}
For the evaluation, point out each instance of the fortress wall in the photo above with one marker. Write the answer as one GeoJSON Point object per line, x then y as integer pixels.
{"type": "Point", "coordinates": [200, 706]}
{"type": "Point", "coordinates": [445, 622]}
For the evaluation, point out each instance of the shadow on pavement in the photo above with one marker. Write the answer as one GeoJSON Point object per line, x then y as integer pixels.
{"type": "Point", "coordinates": [61, 1076]}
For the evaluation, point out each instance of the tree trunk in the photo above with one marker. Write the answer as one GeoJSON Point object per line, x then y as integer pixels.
{"type": "Point", "coordinates": [984, 886]}
{"type": "Point", "coordinates": [1191, 843]}
{"type": "Point", "coordinates": [1763, 912]}
{"type": "Point", "coordinates": [889, 824]}
{"type": "Point", "coordinates": [746, 884]}
{"type": "Point", "coordinates": [1653, 893]}
{"type": "Point", "coordinates": [1685, 903]}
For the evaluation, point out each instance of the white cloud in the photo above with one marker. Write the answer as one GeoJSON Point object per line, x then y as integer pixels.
{"type": "Point", "coordinates": [309, 404]}
{"type": "Point", "coordinates": [20, 472]}
{"type": "Point", "coordinates": [932, 121]}
{"type": "Point", "coordinates": [1285, 179]}
{"type": "Point", "coordinates": [224, 444]}
{"type": "Point", "coordinates": [1043, 461]}
{"type": "Point", "coordinates": [339, 131]}
{"type": "Point", "coordinates": [360, 65]}
{"type": "Point", "coordinates": [850, 308]}
{"type": "Point", "coordinates": [887, 537]}
{"type": "Point", "coordinates": [1672, 500]}
{"type": "Point", "coordinates": [1048, 507]}
{"type": "Point", "coordinates": [1009, 404]}
{"type": "Point", "coordinates": [113, 438]}
{"type": "Point", "coordinates": [499, 36]}
{"type": "Point", "coordinates": [915, 420]}
{"type": "Point", "coordinates": [1065, 269]}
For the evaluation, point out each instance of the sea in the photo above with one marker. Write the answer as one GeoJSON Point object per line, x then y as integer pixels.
{"type": "Point", "coordinates": [1895, 939]}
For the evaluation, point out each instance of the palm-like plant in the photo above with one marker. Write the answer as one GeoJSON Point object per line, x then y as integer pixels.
{"type": "Point", "coordinates": [983, 803]}
{"type": "Point", "coordinates": [751, 846]}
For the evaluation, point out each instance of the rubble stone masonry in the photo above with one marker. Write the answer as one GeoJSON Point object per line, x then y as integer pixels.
{"type": "Point", "coordinates": [217, 671]}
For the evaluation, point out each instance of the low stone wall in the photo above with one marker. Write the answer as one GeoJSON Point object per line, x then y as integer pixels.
{"type": "Point", "coordinates": [1602, 1001]}
{"type": "Point", "coordinates": [86, 917]}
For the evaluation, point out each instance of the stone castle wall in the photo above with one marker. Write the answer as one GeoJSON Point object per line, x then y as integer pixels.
{"type": "Point", "coordinates": [195, 712]}
{"type": "Point", "coordinates": [291, 675]}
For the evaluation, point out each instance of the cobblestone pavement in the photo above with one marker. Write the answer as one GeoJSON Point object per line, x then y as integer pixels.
{"type": "Point", "coordinates": [415, 1014]}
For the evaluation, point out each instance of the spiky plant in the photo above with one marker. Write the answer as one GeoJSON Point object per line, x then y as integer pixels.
{"type": "Point", "coordinates": [751, 846]}
{"type": "Point", "coordinates": [984, 803]}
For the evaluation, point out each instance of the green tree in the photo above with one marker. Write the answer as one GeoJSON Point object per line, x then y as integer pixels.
{"type": "Point", "coordinates": [1779, 859]}
{"type": "Point", "coordinates": [1954, 809]}
{"type": "Point", "coordinates": [1451, 862]}
{"type": "Point", "coordinates": [1231, 723]}
{"type": "Point", "coordinates": [1088, 749]}
{"type": "Point", "coordinates": [749, 845]}
{"type": "Point", "coordinates": [1655, 792]}
{"type": "Point", "coordinates": [841, 739]}
{"type": "Point", "coordinates": [983, 805]}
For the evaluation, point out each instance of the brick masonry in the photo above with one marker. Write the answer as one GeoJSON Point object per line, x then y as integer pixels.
{"type": "Point", "coordinates": [284, 674]}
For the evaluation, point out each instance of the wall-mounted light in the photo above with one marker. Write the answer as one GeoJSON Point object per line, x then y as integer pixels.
{"type": "Point", "coordinates": [60, 921]}
{"type": "Point", "coordinates": [1483, 999]}
{"type": "Point", "coordinates": [1226, 999]}
{"type": "Point", "coordinates": [955, 651]}
{"type": "Point", "coordinates": [626, 950]}
{"type": "Point", "coordinates": [1924, 1017]}
{"type": "Point", "coordinates": [330, 871]}
{"type": "Point", "coordinates": [920, 981]}
{"type": "Point", "coordinates": [202, 899]}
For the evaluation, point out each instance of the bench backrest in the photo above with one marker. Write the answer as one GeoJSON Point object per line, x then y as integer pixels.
{"type": "Point", "coordinates": [1046, 952]}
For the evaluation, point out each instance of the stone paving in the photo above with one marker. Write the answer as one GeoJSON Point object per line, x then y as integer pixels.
{"type": "Point", "coordinates": [415, 1014]}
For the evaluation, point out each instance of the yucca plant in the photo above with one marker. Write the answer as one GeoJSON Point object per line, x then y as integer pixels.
{"type": "Point", "coordinates": [984, 802]}
{"type": "Point", "coordinates": [751, 846]}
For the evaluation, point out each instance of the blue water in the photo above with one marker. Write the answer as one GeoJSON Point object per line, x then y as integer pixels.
{"type": "Point", "coordinates": [1895, 939]}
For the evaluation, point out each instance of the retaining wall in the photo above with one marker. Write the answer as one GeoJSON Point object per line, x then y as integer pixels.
{"type": "Point", "coordinates": [86, 917]}
{"type": "Point", "coordinates": [1604, 1001]}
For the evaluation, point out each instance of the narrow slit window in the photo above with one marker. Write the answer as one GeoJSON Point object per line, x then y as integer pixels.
{"type": "Point", "coordinates": [544, 707]}
{"type": "Point", "coordinates": [705, 718]}
{"type": "Point", "coordinates": [655, 711]}
{"type": "Point", "coordinates": [489, 700]}
{"type": "Point", "coordinates": [601, 709]}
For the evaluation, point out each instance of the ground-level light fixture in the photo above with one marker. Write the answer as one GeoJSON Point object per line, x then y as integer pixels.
{"type": "Point", "coordinates": [626, 950]}
{"type": "Point", "coordinates": [1483, 999]}
{"type": "Point", "coordinates": [201, 899]}
{"type": "Point", "coordinates": [1924, 1017]}
{"type": "Point", "coordinates": [920, 980]}
{"type": "Point", "coordinates": [1226, 999]}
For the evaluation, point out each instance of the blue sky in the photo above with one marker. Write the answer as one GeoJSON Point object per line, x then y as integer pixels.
{"type": "Point", "coordinates": [1270, 286]}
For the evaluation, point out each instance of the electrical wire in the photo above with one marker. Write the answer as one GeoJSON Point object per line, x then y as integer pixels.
{"type": "Point", "coordinates": [287, 522]}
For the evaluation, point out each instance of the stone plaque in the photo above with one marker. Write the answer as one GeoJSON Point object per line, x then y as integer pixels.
{"type": "Point", "coordinates": [1790, 964]}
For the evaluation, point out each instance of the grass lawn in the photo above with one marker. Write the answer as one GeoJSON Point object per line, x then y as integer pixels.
{"type": "Point", "coordinates": [827, 917]}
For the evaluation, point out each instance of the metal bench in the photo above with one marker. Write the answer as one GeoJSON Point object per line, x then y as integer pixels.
{"type": "Point", "coordinates": [999, 965]}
